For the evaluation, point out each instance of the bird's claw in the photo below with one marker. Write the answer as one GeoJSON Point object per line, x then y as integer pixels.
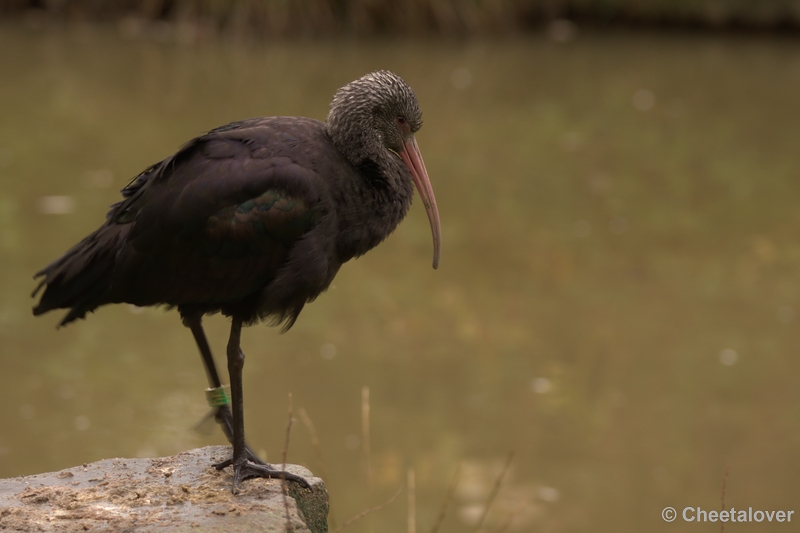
{"type": "Point", "coordinates": [248, 469]}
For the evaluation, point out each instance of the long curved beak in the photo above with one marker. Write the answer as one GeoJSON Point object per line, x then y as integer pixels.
{"type": "Point", "coordinates": [413, 160]}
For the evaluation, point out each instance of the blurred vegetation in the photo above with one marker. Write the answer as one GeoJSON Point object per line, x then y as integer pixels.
{"type": "Point", "coordinates": [281, 18]}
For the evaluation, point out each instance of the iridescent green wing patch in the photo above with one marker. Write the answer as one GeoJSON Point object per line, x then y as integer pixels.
{"type": "Point", "coordinates": [271, 218]}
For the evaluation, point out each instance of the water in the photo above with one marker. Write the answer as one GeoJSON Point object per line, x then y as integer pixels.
{"type": "Point", "coordinates": [617, 302]}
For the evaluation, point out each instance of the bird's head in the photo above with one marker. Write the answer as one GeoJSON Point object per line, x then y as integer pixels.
{"type": "Point", "coordinates": [375, 117]}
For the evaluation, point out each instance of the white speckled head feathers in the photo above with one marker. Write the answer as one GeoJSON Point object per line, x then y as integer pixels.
{"type": "Point", "coordinates": [363, 114]}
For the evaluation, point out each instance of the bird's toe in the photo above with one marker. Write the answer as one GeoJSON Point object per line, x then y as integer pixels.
{"type": "Point", "coordinates": [248, 469]}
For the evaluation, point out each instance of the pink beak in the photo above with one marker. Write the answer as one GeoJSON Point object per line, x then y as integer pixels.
{"type": "Point", "coordinates": [413, 160]}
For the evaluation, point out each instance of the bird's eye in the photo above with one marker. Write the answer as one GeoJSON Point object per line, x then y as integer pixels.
{"type": "Point", "coordinates": [401, 120]}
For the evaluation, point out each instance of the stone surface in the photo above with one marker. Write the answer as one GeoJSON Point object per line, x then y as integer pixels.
{"type": "Point", "coordinates": [169, 494]}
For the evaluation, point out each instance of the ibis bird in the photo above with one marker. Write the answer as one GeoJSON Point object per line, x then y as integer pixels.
{"type": "Point", "coordinates": [253, 220]}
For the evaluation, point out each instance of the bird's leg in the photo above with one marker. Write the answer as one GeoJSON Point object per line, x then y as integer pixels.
{"type": "Point", "coordinates": [242, 467]}
{"type": "Point", "coordinates": [235, 366]}
{"type": "Point", "coordinates": [222, 411]}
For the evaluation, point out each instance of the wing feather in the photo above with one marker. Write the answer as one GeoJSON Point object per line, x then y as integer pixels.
{"type": "Point", "coordinates": [215, 222]}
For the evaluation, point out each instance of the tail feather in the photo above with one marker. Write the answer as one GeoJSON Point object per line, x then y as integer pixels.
{"type": "Point", "coordinates": [80, 280]}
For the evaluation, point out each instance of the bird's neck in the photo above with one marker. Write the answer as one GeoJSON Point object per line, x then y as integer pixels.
{"type": "Point", "coordinates": [379, 198]}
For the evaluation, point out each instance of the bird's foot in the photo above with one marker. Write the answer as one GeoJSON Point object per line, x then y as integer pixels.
{"type": "Point", "coordinates": [247, 469]}
{"type": "Point", "coordinates": [224, 418]}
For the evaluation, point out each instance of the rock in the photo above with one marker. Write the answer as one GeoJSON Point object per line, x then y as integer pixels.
{"type": "Point", "coordinates": [182, 493]}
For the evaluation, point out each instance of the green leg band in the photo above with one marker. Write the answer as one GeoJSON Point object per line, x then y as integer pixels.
{"type": "Point", "coordinates": [219, 397]}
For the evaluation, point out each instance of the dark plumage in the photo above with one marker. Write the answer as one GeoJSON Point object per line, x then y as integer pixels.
{"type": "Point", "coordinates": [253, 219]}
